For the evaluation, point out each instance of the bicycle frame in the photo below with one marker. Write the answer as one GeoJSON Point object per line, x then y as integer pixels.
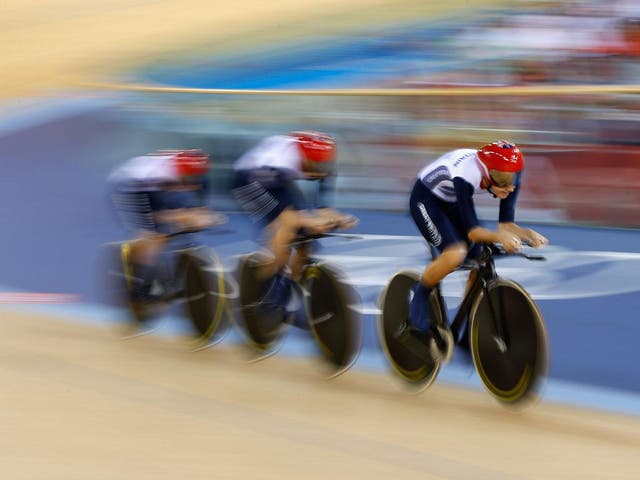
{"type": "Point", "coordinates": [485, 273]}
{"type": "Point", "coordinates": [169, 272]}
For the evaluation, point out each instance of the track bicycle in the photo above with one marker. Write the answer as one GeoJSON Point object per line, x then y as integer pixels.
{"type": "Point", "coordinates": [497, 319]}
{"type": "Point", "coordinates": [322, 302]}
{"type": "Point", "coordinates": [191, 275]}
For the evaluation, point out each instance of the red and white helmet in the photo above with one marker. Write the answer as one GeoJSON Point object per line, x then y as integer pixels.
{"type": "Point", "coordinates": [318, 148]}
{"type": "Point", "coordinates": [193, 162]}
{"type": "Point", "coordinates": [501, 155]}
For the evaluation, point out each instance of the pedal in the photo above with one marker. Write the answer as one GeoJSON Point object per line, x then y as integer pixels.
{"type": "Point", "coordinates": [295, 302]}
{"type": "Point", "coordinates": [299, 320]}
{"type": "Point", "coordinates": [422, 345]}
{"type": "Point", "coordinates": [444, 341]}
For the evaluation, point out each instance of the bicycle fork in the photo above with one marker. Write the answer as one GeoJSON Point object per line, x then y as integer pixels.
{"type": "Point", "coordinates": [498, 315]}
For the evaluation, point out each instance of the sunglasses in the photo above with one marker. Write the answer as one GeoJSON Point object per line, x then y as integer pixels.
{"type": "Point", "coordinates": [505, 180]}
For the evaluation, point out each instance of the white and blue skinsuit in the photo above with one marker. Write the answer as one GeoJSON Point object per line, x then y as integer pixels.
{"type": "Point", "coordinates": [265, 180]}
{"type": "Point", "coordinates": [441, 202]}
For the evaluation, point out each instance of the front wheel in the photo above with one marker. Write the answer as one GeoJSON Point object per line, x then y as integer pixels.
{"type": "Point", "coordinates": [206, 294]}
{"type": "Point", "coordinates": [508, 341]}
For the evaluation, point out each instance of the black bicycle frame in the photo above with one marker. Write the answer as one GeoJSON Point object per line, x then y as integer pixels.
{"type": "Point", "coordinates": [485, 273]}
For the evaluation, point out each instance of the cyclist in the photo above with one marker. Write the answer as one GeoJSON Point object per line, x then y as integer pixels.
{"type": "Point", "coordinates": [154, 195]}
{"type": "Point", "coordinates": [265, 187]}
{"type": "Point", "coordinates": [442, 208]}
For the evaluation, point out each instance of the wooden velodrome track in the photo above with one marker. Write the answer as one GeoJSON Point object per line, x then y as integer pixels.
{"type": "Point", "coordinates": [78, 402]}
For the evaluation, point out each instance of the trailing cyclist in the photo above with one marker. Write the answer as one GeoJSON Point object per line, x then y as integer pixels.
{"type": "Point", "coordinates": [155, 195]}
{"type": "Point", "coordinates": [265, 187]}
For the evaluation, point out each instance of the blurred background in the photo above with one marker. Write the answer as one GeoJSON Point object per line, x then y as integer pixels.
{"type": "Point", "coordinates": [581, 145]}
{"type": "Point", "coordinates": [559, 78]}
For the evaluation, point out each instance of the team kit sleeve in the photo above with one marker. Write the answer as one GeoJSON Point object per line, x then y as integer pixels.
{"type": "Point", "coordinates": [508, 205]}
{"type": "Point", "coordinates": [326, 191]}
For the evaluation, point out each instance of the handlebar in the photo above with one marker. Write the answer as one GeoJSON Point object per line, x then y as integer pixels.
{"type": "Point", "coordinates": [302, 239]}
{"type": "Point", "coordinates": [214, 230]}
{"type": "Point", "coordinates": [493, 250]}
{"type": "Point", "coordinates": [497, 250]}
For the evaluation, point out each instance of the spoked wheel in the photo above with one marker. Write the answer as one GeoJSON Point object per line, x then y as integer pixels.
{"type": "Point", "coordinates": [206, 294]}
{"type": "Point", "coordinates": [335, 325]}
{"type": "Point", "coordinates": [508, 342]}
{"type": "Point", "coordinates": [264, 328]}
{"type": "Point", "coordinates": [418, 371]}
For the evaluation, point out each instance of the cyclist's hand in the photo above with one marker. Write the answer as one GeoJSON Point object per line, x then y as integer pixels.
{"type": "Point", "coordinates": [319, 224]}
{"type": "Point", "coordinates": [218, 218]}
{"type": "Point", "coordinates": [535, 239]}
{"type": "Point", "coordinates": [347, 221]}
{"type": "Point", "coordinates": [201, 219]}
{"type": "Point", "coordinates": [510, 241]}
{"type": "Point", "coordinates": [339, 221]}
{"type": "Point", "coordinates": [336, 220]}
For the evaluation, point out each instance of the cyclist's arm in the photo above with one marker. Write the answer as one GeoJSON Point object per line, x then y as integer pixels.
{"type": "Point", "coordinates": [324, 220]}
{"type": "Point", "coordinates": [466, 209]}
{"type": "Point", "coordinates": [475, 232]}
{"type": "Point", "coordinates": [326, 191]}
{"type": "Point", "coordinates": [335, 218]}
{"type": "Point", "coordinates": [197, 218]}
{"type": "Point", "coordinates": [185, 211]}
{"type": "Point", "coordinates": [312, 222]}
{"type": "Point", "coordinates": [527, 235]}
{"type": "Point", "coordinates": [508, 205]}
{"type": "Point", "coordinates": [323, 195]}
{"type": "Point", "coordinates": [507, 220]}
{"type": "Point", "coordinates": [510, 241]}
{"type": "Point", "coordinates": [323, 201]}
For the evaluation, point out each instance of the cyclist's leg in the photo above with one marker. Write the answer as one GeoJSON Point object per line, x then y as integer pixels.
{"type": "Point", "coordinates": [299, 260]}
{"type": "Point", "coordinates": [430, 216]}
{"type": "Point", "coordinates": [134, 208]}
{"type": "Point", "coordinates": [286, 227]}
{"type": "Point", "coordinates": [145, 250]}
{"type": "Point", "coordinates": [269, 199]}
{"type": "Point", "coordinates": [283, 231]}
{"type": "Point", "coordinates": [473, 253]}
{"type": "Point", "coordinates": [419, 328]}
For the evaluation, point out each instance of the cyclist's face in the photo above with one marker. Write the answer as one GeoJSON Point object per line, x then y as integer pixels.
{"type": "Point", "coordinates": [502, 192]}
{"type": "Point", "coordinates": [314, 169]}
{"type": "Point", "coordinates": [501, 179]}
{"type": "Point", "coordinates": [501, 183]}
{"type": "Point", "coordinates": [190, 182]}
